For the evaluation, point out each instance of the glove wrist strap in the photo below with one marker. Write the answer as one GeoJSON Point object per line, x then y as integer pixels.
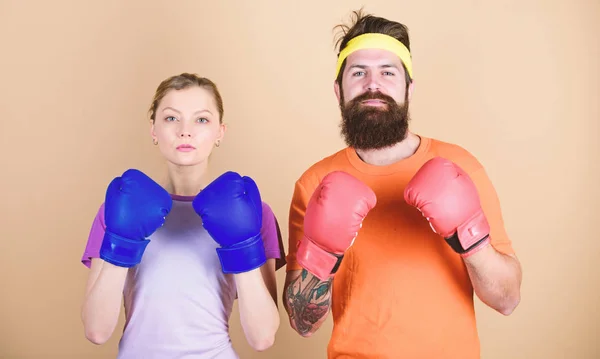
{"type": "Point", "coordinates": [471, 235]}
{"type": "Point", "coordinates": [321, 263]}
{"type": "Point", "coordinates": [243, 257]}
{"type": "Point", "coordinates": [121, 251]}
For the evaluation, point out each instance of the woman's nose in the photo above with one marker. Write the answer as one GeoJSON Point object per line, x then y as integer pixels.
{"type": "Point", "coordinates": [184, 130]}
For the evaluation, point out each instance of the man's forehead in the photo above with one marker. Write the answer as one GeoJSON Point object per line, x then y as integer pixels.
{"type": "Point", "coordinates": [376, 47]}
{"type": "Point", "coordinates": [373, 57]}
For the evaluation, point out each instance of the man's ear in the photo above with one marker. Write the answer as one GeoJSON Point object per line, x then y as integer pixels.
{"type": "Point", "coordinates": [336, 89]}
{"type": "Point", "coordinates": [410, 90]}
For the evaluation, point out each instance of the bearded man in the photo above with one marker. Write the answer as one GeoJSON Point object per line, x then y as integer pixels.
{"type": "Point", "coordinates": [396, 232]}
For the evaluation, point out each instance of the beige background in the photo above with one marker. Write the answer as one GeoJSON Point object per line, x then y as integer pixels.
{"type": "Point", "coordinates": [515, 82]}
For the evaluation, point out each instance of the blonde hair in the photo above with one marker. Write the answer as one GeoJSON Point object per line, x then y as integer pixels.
{"type": "Point", "coordinates": [183, 81]}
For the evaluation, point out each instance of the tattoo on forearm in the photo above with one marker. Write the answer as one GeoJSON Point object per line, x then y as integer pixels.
{"type": "Point", "coordinates": [308, 301]}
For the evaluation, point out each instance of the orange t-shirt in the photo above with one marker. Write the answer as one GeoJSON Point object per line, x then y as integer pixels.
{"type": "Point", "coordinates": [400, 291]}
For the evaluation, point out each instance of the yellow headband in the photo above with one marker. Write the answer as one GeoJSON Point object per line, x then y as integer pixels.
{"type": "Point", "coordinates": [376, 41]}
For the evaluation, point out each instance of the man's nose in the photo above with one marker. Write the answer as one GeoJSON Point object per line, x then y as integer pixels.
{"type": "Point", "coordinates": [373, 82]}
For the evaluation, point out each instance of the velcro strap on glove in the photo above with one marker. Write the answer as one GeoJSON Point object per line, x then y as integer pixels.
{"type": "Point", "coordinates": [471, 236]}
{"type": "Point", "coordinates": [243, 257]}
{"type": "Point", "coordinates": [121, 251]}
{"type": "Point", "coordinates": [321, 263]}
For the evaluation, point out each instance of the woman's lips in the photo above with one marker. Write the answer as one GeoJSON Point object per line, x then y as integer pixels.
{"type": "Point", "coordinates": [185, 148]}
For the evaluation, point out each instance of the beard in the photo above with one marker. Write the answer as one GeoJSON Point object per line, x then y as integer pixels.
{"type": "Point", "coordinates": [373, 128]}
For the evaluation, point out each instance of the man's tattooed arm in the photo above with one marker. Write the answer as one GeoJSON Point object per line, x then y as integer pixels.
{"type": "Point", "coordinates": [307, 300]}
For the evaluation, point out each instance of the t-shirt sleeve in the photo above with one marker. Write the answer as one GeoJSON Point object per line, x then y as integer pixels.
{"type": "Point", "coordinates": [492, 210]}
{"type": "Point", "coordinates": [298, 205]}
{"type": "Point", "coordinates": [271, 236]}
{"type": "Point", "coordinates": [92, 248]}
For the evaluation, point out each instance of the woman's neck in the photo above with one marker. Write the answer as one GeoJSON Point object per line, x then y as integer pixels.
{"type": "Point", "coordinates": [186, 180]}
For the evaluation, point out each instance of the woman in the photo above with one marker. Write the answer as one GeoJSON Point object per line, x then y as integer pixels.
{"type": "Point", "coordinates": [179, 256]}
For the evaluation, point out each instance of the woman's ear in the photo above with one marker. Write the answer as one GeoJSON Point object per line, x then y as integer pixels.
{"type": "Point", "coordinates": [152, 132]}
{"type": "Point", "coordinates": [222, 130]}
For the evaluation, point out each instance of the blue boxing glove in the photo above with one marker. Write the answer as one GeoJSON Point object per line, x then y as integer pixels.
{"type": "Point", "coordinates": [135, 207]}
{"type": "Point", "coordinates": [231, 212]}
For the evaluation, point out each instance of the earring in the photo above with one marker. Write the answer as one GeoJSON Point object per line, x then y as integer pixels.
{"type": "Point", "coordinates": [155, 142]}
{"type": "Point", "coordinates": [218, 143]}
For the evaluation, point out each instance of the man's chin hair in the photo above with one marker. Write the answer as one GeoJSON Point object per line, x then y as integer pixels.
{"type": "Point", "coordinates": [367, 135]}
{"type": "Point", "coordinates": [372, 146]}
{"type": "Point", "coordinates": [365, 128]}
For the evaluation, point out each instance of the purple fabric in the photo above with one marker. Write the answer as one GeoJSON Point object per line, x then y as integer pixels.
{"type": "Point", "coordinates": [177, 300]}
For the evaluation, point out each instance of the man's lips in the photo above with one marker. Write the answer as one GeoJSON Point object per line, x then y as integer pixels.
{"type": "Point", "coordinates": [374, 102]}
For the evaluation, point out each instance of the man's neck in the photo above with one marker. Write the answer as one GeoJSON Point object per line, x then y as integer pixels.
{"type": "Point", "coordinates": [393, 154]}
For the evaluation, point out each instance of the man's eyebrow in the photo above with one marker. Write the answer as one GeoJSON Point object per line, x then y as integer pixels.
{"type": "Point", "coordinates": [384, 66]}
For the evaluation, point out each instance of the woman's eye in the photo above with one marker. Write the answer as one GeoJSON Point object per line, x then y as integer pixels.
{"type": "Point", "coordinates": [170, 118]}
{"type": "Point", "coordinates": [202, 120]}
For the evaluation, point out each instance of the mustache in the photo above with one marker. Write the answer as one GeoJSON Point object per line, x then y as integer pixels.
{"type": "Point", "coordinates": [370, 95]}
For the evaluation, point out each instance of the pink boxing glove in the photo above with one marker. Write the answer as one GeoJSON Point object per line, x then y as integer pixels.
{"type": "Point", "coordinates": [334, 215]}
{"type": "Point", "coordinates": [447, 197]}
